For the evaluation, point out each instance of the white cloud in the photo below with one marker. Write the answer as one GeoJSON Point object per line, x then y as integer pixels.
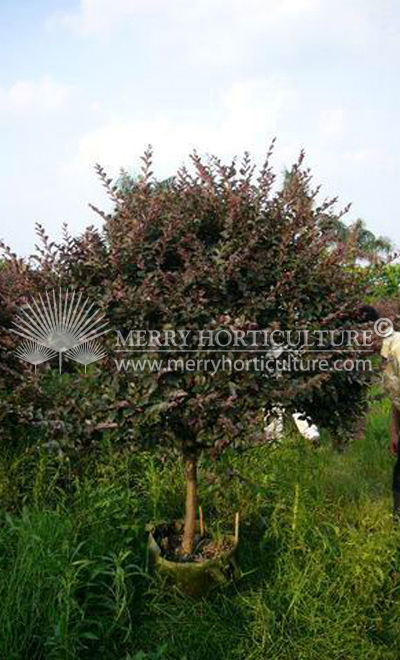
{"type": "Point", "coordinates": [97, 16]}
{"type": "Point", "coordinates": [26, 97]}
{"type": "Point", "coordinates": [248, 117]}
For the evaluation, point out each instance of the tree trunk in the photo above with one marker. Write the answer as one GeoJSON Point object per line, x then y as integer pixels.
{"type": "Point", "coordinates": [191, 504]}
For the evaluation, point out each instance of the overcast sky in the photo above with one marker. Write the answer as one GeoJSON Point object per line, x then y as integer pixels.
{"type": "Point", "coordinates": [97, 80]}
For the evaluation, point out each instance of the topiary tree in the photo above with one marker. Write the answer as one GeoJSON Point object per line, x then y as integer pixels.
{"type": "Point", "coordinates": [218, 248]}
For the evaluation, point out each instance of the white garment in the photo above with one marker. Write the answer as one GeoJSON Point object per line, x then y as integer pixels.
{"type": "Point", "coordinates": [274, 425]}
{"type": "Point", "coordinates": [308, 431]}
{"type": "Point", "coordinates": [391, 375]}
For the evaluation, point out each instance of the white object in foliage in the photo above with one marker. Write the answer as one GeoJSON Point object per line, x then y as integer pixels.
{"type": "Point", "coordinates": [308, 431]}
{"type": "Point", "coordinates": [274, 425]}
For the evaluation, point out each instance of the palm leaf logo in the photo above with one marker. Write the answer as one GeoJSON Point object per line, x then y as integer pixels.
{"type": "Point", "coordinates": [34, 353]}
{"type": "Point", "coordinates": [60, 323]}
{"type": "Point", "coordinates": [86, 353]}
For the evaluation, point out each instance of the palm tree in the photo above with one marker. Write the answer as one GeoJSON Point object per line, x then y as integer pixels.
{"type": "Point", "coordinates": [373, 249]}
{"type": "Point", "coordinates": [367, 246]}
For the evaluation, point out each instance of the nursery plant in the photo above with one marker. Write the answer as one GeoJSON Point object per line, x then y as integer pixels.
{"type": "Point", "coordinates": [215, 248]}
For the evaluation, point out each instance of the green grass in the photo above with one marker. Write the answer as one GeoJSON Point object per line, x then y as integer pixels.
{"type": "Point", "coordinates": [319, 555]}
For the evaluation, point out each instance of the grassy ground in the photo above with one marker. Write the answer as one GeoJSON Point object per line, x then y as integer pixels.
{"type": "Point", "coordinates": [320, 558]}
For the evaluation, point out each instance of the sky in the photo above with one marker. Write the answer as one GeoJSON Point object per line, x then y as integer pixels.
{"type": "Point", "coordinates": [95, 81]}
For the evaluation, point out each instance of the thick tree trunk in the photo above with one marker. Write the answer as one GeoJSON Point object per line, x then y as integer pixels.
{"type": "Point", "coordinates": [191, 504]}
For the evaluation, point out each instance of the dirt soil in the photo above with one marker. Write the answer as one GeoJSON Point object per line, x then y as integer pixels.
{"type": "Point", "coordinates": [204, 549]}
